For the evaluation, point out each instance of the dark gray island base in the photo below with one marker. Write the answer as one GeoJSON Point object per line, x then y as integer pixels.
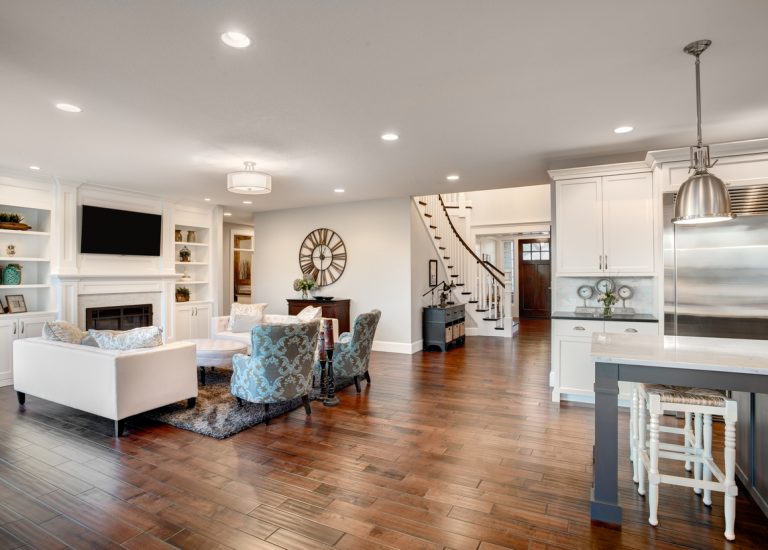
{"type": "Point", "coordinates": [682, 361]}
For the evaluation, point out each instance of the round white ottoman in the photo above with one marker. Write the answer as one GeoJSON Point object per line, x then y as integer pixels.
{"type": "Point", "coordinates": [215, 353]}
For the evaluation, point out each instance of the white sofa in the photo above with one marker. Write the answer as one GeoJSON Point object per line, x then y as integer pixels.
{"type": "Point", "coordinates": [219, 328]}
{"type": "Point", "coordinates": [109, 383]}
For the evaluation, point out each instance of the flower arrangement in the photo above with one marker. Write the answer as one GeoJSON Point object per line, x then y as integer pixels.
{"type": "Point", "coordinates": [607, 299]}
{"type": "Point", "coordinates": [305, 284]}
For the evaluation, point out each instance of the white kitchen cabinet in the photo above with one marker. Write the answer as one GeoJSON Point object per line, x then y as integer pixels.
{"type": "Point", "coordinates": [193, 320]}
{"type": "Point", "coordinates": [573, 370]}
{"type": "Point", "coordinates": [605, 225]}
{"type": "Point", "coordinates": [14, 327]}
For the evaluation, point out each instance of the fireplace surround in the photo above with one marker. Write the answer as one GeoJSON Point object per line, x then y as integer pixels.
{"type": "Point", "coordinates": [124, 317]}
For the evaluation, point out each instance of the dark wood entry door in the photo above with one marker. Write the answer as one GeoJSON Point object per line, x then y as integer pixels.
{"type": "Point", "coordinates": [535, 275]}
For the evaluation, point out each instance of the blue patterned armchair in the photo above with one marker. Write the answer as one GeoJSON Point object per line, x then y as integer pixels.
{"type": "Point", "coordinates": [353, 349]}
{"type": "Point", "coordinates": [280, 366]}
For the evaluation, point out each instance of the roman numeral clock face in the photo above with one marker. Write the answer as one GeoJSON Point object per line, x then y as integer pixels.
{"type": "Point", "coordinates": [323, 255]}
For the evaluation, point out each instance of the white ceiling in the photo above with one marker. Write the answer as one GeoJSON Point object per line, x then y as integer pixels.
{"type": "Point", "coordinates": [496, 91]}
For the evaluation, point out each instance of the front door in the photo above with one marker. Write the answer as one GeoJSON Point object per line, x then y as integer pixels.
{"type": "Point", "coordinates": [535, 274]}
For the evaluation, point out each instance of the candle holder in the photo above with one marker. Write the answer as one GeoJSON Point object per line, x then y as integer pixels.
{"type": "Point", "coordinates": [330, 394]}
{"type": "Point", "coordinates": [322, 359]}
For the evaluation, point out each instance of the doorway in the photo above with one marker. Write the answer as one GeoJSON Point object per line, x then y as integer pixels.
{"type": "Point", "coordinates": [242, 260]}
{"type": "Point", "coordinates": [534, 269]}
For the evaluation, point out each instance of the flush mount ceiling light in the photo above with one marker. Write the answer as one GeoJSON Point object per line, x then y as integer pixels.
{"type": "Point", "coordinates": [623, 129]}
{"type": "Point", "coordinates": [235, 39]}
{"type": "Point", "coordinates": [703, 197]}
{"type": "Point", "coordinates": [338, 190]}
{"type": "Point", "coordinates": [69, 108]}
{"type": "Point", "coordinates": [247, 202]}
{"type": "Point", "coordinates": [452, 177]}
{"type": "Point", "coordinates": [390, 136]}
{"type": "Point", "coordinates": [35, 168]}
{"type": "Point", "coordinates": [249, 181]}
{"type": "Point", "coordinates": [206, 199]}
{"type": "Point", "coordinates": [227, 213]}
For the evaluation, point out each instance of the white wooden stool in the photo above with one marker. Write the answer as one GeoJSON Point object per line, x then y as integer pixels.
{"type": "Point", "coordinates": [702, 403]}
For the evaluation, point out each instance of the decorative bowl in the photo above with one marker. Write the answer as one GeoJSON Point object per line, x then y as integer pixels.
{"type": "Point", "coordinates": [323, 298]}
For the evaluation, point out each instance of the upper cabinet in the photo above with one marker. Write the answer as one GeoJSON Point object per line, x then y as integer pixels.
{"type": "Point", "coordinates": [604, 224]}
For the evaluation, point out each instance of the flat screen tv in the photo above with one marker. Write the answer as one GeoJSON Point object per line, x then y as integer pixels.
{"type": "Point", "coordinates": [110, 231]}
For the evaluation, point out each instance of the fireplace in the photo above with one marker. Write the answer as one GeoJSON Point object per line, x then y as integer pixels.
{"type": "Point", "coordinates": [118, 317]}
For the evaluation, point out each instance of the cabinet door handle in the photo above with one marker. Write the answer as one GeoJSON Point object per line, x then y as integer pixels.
{"type": "Point", "coordinates": [606, 262]}
{"type": "Point", "coordinates": [22, 327]}
{"type": "Point", "coordinates": [630, 330]}
{"type": "Point", "coordinates": [14, 327]}
{"type": "Point", "coordinates": [601, 262]}
{"type": "Point", "coordinates": [579, 327]}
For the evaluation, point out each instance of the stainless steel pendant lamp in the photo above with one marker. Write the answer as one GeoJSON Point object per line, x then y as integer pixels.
{"type": "Point", "coordinates": [703, 197]}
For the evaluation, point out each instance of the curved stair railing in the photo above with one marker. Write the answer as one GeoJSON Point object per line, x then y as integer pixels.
{"type": "Point", "coordinates": [475, 277]}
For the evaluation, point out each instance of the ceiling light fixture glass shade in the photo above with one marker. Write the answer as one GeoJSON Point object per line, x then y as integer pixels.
{"type": "Point", "coordinates": [249, 181]}
{"type": "Point", "coordinates": [703, 197]}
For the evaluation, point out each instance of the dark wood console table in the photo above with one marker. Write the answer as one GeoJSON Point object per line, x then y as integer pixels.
{"type": "Point", "coordinates": [335, 309]}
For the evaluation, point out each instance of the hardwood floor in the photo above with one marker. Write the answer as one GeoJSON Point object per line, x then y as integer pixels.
{"type": "Point", "coordinates": [460, 450]}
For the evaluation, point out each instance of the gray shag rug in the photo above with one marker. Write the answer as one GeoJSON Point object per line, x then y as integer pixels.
{"type": "Point", "coordinates": [217, 414]}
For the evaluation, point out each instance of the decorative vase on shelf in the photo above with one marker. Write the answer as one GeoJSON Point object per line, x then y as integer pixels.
{"type": "Point", "coordinates": [177, 235]}
{"type": "Point", "coordinates": [304, 294]}
{"type": "Point", "coordinates": [10, 250]}
{"type": "Point", "coordinates": [185, 254]}
{"type": "Point", "coordinates": [607, 311]}
{"type": "Point", "coordinates": [12, 274]}
{"type": "Point", "coordinates": [191, 237]}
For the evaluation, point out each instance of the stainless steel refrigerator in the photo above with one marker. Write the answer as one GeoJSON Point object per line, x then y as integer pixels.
{"type": "Point", "coordinates": [716, 285]}
{"type": "Point", "coordinates": [716, 275]}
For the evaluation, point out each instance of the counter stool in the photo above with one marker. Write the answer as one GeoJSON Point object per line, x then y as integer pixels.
{"type": "Point", "coordinates": [702, 403]}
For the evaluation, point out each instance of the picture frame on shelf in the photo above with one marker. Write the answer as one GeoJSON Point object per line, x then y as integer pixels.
{"type": "Point", "coordinates": [16, 303]}
{"type": "Point", "coordinates": [432, 273]}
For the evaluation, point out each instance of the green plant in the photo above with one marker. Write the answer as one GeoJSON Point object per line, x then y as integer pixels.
{"type": "Point", "coordinates": [182, 291]}
{"type": "Point", "coordinates": [305, 284]}
{"type": "Point", "coordinates": [9, 217]}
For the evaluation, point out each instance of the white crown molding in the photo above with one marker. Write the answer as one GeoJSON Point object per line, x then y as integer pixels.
{"type": "Point", "coordinates": [584, 171]}
{"type": "Point", "coordinates": [733, 148]}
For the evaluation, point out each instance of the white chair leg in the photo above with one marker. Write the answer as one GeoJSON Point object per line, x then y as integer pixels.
{"type": "Point", "coordinates": [707, 473]}
{"type": "Point", "coordinates": [641, 438]}
{"type": "Point", "coordinates": [730, 482]}
{"type": "Point", "coordinates": [653, 470]}
{"type": "Point", "coordinates": [697, 420]}
{"type": "Point", "coordinates": [688, 443]}
{"type": "Point", "coordinates": [633, 433]}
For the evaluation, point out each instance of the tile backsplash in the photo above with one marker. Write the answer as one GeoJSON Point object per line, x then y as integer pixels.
{"type": "Point", "coordinates": [567, 299]}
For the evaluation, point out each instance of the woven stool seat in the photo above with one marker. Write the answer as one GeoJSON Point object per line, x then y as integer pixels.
{"type": "Point", "coordinates": [681, 395]}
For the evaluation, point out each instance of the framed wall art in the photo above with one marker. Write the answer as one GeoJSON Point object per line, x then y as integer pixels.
{"type": "Point", "coordinates": [432, 273]}
{"type": "Point", "coordinates": [16, 303]}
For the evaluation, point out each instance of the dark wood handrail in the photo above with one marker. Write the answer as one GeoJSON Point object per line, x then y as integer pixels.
{"type": "Point", "coordinates": [465, 245]}
{"type": "Point", "coordinates": [489, 264]}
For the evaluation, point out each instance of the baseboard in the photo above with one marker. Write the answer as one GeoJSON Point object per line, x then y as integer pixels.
{"type": "Point", "coordinates": [6, 382]}
{"type": "Point", "coordinates": [397, 347]}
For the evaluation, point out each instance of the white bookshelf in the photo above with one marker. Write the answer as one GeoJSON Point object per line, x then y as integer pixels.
{"type": "Point", "coordinates": [198, 268]}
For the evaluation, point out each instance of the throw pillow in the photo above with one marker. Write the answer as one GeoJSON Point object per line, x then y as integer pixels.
{"type": "Point", "coordinates": [62, 331]}
{"type": "Point", "coordinates": [255, 310]}
{"type": "Point", "coordinates": [143, 337]}
{"type": "Point", "coordinates": [244, 323]}
{"type": "Point", "coordinates": [309, 313]}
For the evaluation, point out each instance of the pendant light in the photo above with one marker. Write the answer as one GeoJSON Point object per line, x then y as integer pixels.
{"type": "Point", "coordinates": [703, 197]}
{"type": "Point", "coordinates": [249, 181]}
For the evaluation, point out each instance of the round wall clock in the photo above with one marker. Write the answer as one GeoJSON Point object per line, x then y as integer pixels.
{"type": "Point", "coordinates": [323, 255]}
{"type": "Point", "coordinates": [605, 286]}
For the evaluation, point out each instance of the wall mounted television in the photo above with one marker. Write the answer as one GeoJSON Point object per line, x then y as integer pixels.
{"type": "Point", "coordinates": [121, 232]}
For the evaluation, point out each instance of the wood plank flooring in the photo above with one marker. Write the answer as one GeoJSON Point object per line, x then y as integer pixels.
{"type": "Point", "coordinates": [458, 450]}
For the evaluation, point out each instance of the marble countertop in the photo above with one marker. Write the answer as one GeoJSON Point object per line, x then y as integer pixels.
{"type": "Point", "coordinates": [638, 317]}
{"type": "Point", "coordinates": [683, 352]}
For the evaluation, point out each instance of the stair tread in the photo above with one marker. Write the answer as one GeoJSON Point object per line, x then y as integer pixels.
{"type": "Point", "coordinates": [462, 284]}
{"type": "Point", "coordinates": [464, 293]}
{"type": "Point", "coordinates": [441, 247]}
{"type": "Point", "coordinates": [498, 328]}
{"type": "Point", "coordinates": [438, 237]}
{"type": "Point", "coordinates": [480, 310]}
{"type": "Point", "coordinates": [427, 215]}
{"type": "Point", "coordinates": [472, 301]}
{"type": "Point", "coordinates": [433, 227]}
{"type": "Point", "coordinates": [422, 203]}
{"type": "Point", "coordinates": [454, 275]}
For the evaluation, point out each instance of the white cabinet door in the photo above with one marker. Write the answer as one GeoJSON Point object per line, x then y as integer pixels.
{"type": "Point", "coordinates": [201, 321]}
{"type": "Point", "coordinates": [31, 326]}
{"type": "Point", "coordinates": [8, 331]}
{"type": "Point", "coordinates": [579, 240]}
{"type": "Point", "coordinates": [627, 327]}
{"type": "Point", "coordinates": [577, 373]}
{"type": "Point", "coordinates": [184, 322]}
{"type": "Point", "coordinates": [628, 230]}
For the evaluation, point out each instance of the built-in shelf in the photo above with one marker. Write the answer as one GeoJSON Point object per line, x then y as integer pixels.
{"type": "Point", "coordinates": [27, 233]}
{"type": "Point", "coordinates": [21, 259]}
{"type": "Point", "coordinates": [193, 303]}
{"type": "Point", "coordinates": [181, 283]}
{"type": "Point", "coordinates": [242, 249]}
{"type": "Point", "coordinates": [191, 263]}
{"type": "Point", "coordinates": [42, 312]}
{"type": "Point", "coordinates": [184, 243]}
{"type": "Point", "coordinates": [12, 287]}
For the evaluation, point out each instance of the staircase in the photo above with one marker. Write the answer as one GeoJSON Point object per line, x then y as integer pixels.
{"type": "Point", "coordinates": [475, 280]}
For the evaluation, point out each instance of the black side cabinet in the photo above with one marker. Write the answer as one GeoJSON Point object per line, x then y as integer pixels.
{"type": "Point", "coordinates": [443, 326]}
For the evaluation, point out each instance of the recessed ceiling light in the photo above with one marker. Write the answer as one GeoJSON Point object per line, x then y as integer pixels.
{"type": "Point", "coordinates": [235, 39]}
{"type": "Point", "coordinates": [34, 168]}
{"type": "Point", "coordinates": [338, 190]}
{"type": "Point", "coordinates": [206, 199]}
{"type": "Point", "coordinates": [452, 177]}
{"type": "Point", "coordinates": [227, 213]}
{"type": "Point", "coordinates": [69, 108]}
{"type": "Point", "coordinates": [623, 129]}
{"type": "Point", "coordinates": [247, 202]}
{"type": "Point", "coordinates": [389, 136]}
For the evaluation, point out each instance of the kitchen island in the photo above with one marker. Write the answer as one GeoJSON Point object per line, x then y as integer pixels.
{"type": "Point", "coordinates": [715, 363]}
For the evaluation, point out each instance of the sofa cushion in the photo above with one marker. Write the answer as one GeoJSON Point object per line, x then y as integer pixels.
{"type": "Point", "coordinates": [254, 310]}
{"type": "Point", "coordinates": [143, 337]}
{"type": "Point", "coordinates": [62, 331]}
{"type": "Point", "coordinates": [244, 323]}
{"type": "Point", "coordinates": [309, 313]}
